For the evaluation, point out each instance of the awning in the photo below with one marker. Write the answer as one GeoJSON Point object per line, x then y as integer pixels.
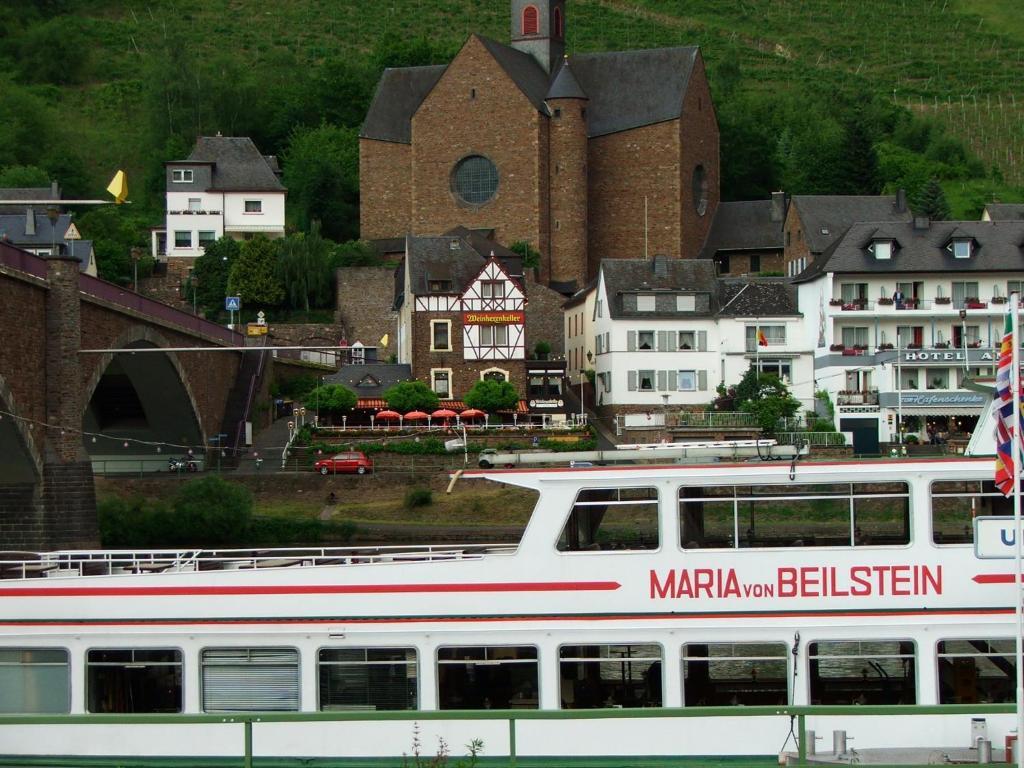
{"type": "Point", "coordinates": [940, 410]}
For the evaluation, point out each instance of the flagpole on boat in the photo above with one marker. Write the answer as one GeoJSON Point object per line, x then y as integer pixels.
{"type": "Point", "coordinates": [1015, 453]}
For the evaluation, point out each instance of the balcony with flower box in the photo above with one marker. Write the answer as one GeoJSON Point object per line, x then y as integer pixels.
{"type": "Point", "coordinates": [850, 397]}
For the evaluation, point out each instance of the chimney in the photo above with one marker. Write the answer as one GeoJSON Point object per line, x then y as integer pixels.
{"type": "Point", "coordinates": [901, 201]}
{"type": "Point", "coordinates": [30, 221]}
{"type": "Point", "coordinates": [921, 222]}
{"type": "Point", "coordinates": [778, 212]}
{"type": "Point", "coordinates": [54, 190]}
{"type": "Point", "coordinates": [660, 264]}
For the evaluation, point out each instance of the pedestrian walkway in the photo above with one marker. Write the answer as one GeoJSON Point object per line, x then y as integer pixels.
{"type": "Point", "coordinates": [267, 445]}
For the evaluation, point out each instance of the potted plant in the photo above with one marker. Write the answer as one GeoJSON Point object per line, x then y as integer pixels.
{"type": "Point", "coordinates": [885, 345]}
{"type": "Point", "coordinates": [910, 303]}
{"type": "Point", "coordinates": [998, 299]}
{"type": "Point", "coordinates": [885, 301]}
{"type": "Point", "coordinates": [542, 350]}
{"type": "Point", "coordinates": [835, 302]}
{"type": "Point", "coordinates": [913, 346]}
{"type": "Point", "coordinates": [942, 300]}
{"type": "Point", "coordinates": [837, 348]}
{"type": "Point", "coordinates": [860, 347]}
{"type": "Point", "coordinates": [942, 345]}
{"type": "Point", "coordinates": [974, 303]}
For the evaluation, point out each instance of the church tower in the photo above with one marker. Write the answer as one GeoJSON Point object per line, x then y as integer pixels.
{"type": "Point", "coordinates": [538, 28]}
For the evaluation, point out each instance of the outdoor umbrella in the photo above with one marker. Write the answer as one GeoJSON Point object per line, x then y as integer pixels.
{"type": "Point", "coordinates": [415, 416]}
{"type": "Point", "coordinates": [443, 413]}
{"type": "Point", "coordinates": [472, 413]}
{"type": "Point", "coordinates": [388, 415]}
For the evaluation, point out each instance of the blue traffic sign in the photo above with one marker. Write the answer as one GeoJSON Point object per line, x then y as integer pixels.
{"type": "Point", "coordinates": [232, 303]}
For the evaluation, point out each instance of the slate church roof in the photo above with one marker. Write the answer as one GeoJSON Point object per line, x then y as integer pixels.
{"type": "Point", "coordinates": [626, 89]}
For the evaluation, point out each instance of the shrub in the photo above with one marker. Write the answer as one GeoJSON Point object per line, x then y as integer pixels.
{"type": "Point", "coordinates": [419, 497]}
{"type": "Point", "coordinates": [210, 510]}
{"type": "Point", "coordinates": [492, 396]}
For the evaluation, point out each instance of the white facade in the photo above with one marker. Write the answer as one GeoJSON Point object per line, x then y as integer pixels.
{"type": "Point", "coordinates": [578, 329]}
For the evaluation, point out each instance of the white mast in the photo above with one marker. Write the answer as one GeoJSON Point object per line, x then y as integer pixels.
{"type": "Point", "coordinates": [1016, 462]}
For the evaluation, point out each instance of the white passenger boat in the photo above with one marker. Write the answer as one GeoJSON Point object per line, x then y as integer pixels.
{"type": "Point", "coordinates": [643, 590]}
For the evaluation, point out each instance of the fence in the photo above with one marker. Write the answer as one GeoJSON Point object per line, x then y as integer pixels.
{"type": "Point", "coordinates": [725, 419]}
{"type": "Point", "coordinates": [811, 438]}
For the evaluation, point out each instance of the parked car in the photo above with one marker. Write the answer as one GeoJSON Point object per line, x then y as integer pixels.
{"type": "Point", "coordinates": [352, 461]}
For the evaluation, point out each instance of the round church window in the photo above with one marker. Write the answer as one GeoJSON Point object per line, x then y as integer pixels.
{"type": "Point", "coordinates": [475, 180]}
{"type": "Point", "coordinates": [700, 190]}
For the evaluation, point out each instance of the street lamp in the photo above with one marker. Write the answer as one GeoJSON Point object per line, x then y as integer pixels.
{"type": "Point", "coordinates": [583, 376]}
{"type": "Point", "coordinates": [317, 422]}
{"type": "Point", "coordinates": [963, 338]}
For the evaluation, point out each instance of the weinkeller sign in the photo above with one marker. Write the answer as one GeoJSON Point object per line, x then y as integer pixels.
{"type": "Point", "coordinates": [492, 318]}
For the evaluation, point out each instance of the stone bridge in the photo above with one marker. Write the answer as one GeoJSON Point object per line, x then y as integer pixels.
{"type": "Point", "coordinates": [65, 402]}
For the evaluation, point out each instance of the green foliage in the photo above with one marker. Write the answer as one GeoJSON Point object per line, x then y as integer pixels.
{"type": "Point", "coordinates": [531, 258]}
{"type": "Point", "coordinates": [355, 253]}
{"type": "Point", "coordinates": [210, 274]}
{"type": "Point", "coordinates": [333, 399]}
{"type": "Point", "coordinates": [419, 497]}
{"type": "Point", "coordinates": [492, 396]}
{"type": "Point", "coordinates": [542, 349]}
{"type": "Point", "coordinates": [411, 396]}
{"type": "Point", "coordinates": [23, 176]}
{"type": "Point", "coordinates": [114, 230]}
{"type": "Point", "coordinates": [297, 387]}
{"type": "Point", "coordinates": [931, 202]}
{"type": "Point", "coordinates": [55, 51]}
{"type": "Point", "coordinates": [279, 530]}
{"type": "Point", "coordinates": [253, 274]}
{"type": "Point", "coordinates": [763, 395]}
{"type": "Point", "coordinates": [210, 510]}
{"type": "Point", "coordinates": [321, 171]}
{"type": "Point", "coordinates": [304, 268]}
{"type": "Point", "coordinates": [823, 396]}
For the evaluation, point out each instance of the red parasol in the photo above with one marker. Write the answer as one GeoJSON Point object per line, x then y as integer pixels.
{"type": "Point", "coordinates": [389, 415]}
{"type": "Point", "coordinates": [472, 413]}
{"type": "Point", "coordinates": [415, 416]}
{"type": "Point", "coordinates": [443, 413]}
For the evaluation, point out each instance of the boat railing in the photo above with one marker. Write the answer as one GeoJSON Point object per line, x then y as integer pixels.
{"type": "Point", "coordinates": [24, 565]}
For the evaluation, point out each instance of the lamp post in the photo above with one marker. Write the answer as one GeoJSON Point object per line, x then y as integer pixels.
{"type": "Point", "coordinates": [664, 413]}
{"type": "Point", "coordinates": [899, 391]}
{"type": "Point", "coordinates": [583, 378]}
{"type": "Point", "coordinates": [963, 338]}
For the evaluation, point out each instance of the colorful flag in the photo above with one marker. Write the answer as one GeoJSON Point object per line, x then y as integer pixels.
{"type": "Point", "coordinates": [119, 187]}
{"type": "Point", "coordinates": [1003, 412]}
{"type": "Point", "coordinates": [762, 340]}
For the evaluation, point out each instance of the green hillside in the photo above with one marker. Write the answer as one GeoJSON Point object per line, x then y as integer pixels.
{"type": "Point", "coordinates": [89, 86]}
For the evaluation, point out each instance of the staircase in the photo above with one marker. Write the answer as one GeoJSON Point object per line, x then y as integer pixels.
{"type": "Point", "coordinates": [240, 402]}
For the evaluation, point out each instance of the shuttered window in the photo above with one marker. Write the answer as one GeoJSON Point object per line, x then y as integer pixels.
{"type": "Point", "coordinates": [367, 678]}
{"type": "Point", "coordinates": [250, 679]}
{"type": "Point", "coordinates": [34, 681]}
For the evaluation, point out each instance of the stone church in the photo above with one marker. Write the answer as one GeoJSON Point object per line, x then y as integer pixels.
{"type": "Point", "coordinates": [594, 156]}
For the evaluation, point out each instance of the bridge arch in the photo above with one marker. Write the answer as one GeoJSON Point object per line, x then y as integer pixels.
{"type": "Point", "coordinates": [145, 398]}
{"type": "Point", "coordinates": [23, 461]}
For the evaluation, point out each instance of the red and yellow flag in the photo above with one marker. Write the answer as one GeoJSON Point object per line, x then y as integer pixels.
{"type": "Point", "coordinates": [762, 340]}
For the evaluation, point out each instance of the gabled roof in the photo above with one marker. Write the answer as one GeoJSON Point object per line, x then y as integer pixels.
{"type": "Point", "coordinates": [744, 225]}
{"type": "Point", "coordinates": [1005, 211]}
{"type": "Point", "coordinates": [370, 379]}
{"type": "Point", "coordinates": [449, 259]}
{"type": "Point", "coordinates": [480, 242]}
{"type": "Point", "coordinates": [237, 164]}
{"type": "Point", "coordinates": [763, 297]}
{"type": "Point", "coordinates": [998, 248]}
{"type": "Point", "coordinates": [658, 275]}
{"type": "Point", "coordinates": [12, 230]}
{"type": "Point", "coordinates": [27, 193]}
{"type": "Point", "coordinates": [826, 217]}
{"type": "Point", "coordinates": [627, 89]}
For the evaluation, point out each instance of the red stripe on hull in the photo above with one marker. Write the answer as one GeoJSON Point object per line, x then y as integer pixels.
{"type": "Point", "coordinates": [994, 578]}
{"type": "Point", "coordinates": [315, 589]}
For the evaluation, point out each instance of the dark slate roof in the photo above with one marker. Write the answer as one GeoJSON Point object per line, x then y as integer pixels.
{"type": "Point", "coordinates": [630, 89]}
{"type": "Point", "coordinates": [371, 379]}
{"type": "Point", "coordinates": [26, 193]}
{"type": "Point", "coordinates": [763, 297]}
{"type": "Point", "coordinates": [826, 217]}
{"type": "Point", "coordinates": [450, 259]}
{"type": "Point", "coordinates": [744, 225]}
{"type": "Point", "coordinates": [1005, 211]}
{"type": "Point", "coordinates": [480, 242]}
{"type": "Point", "coordinates": [998, 247]}
{"type": "Point", "coordinates": [237, 164]}
{"type": "Point", "coordinates": [581, 295]}
{"type": "Point", "coordinates": [12, 229]}
{"type": "Point", "coordinates": [399, 94]}
{"type": "Point", "coordinates": [565, 84]}
{"type": "Point", "coordinates": [388, 245]}
{"type": "Point", "coordinates": [643, 276]}
{"type": "Point", "coordinates": [627, 89]}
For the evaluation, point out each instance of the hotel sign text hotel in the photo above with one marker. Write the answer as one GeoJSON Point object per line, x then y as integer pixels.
{"type": "Point", "coordinates": [947, 355]}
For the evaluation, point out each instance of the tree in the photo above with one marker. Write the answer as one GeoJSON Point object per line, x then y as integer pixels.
{"type": "Point", "coordinates": [213, 510]}
{"type": "Point", "coordinates": [860, 162]}
{"type": "Point", "coordinates": [355, 253]}
{"type": "Point", "coordinates": [931, 201]}
{"type": "Point", "coordinates": [531, 258]}
{"type": "Point", "coordinates": [332, 399]}
{"type": "Point", "coordinates": [492, 396]}
{"type": "Point", "coordinates": [765, 396]}
{"type": "Point", "coordinates": [304, 269]}
{"type": "Point", "coordinates": [321, 171]}
{"type": "Point", "coordinates": [211, 272]}
{"type": "Point", "coordinates": [23, 176]}
{"type": "Point", "coordinates": [253, 274]}
{"type": "Point", "coordinates": [114, 231]}
{"type": "Point", "coordinates": [411, 396]}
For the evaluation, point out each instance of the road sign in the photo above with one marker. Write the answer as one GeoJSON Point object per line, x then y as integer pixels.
{"type": "Point", "coordinates": [72, 233]}
{"type": "Point", "coordinates": [232, 303]}
{"type": "Point", "coordinates": [994, 539]}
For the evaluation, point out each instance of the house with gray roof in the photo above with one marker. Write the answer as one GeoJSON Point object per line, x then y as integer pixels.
{"type": "Point", "coordinates": [42, 235]}
{"type": "Point", "coordinates": [903, 315]}
{"type": "Point", "coordinates": [1003, 212]}
{"type": "Point", "coordinates": [589, 156]}
{"type": "Point", "coordinates": [12, 199]}
{"type": "Point", "coordinates": [746, 236]}
{"type": "Point", "coordinates": [224, 187]}
{"type": "Point", "coordinates": [668, 332]}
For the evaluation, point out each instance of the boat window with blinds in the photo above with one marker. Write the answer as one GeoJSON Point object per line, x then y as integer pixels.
{"type": "Point", "coordinates": [955, 504]}
{"type": "Point", "coordinates": [487, 677]}
{"type": "Point", "coordinates": [734, 674]}
{"type": "Point", "coordinates": [367, 678]}
{"type": "Point", "coordinates": [250, 679]}
{"type": "Point", "coordinates": [600, 676]}
{"type": "Point", "coordinates": [34, 681]}
{"type": "Point", "coordinates": [794, 515]}
{"type": "Point", "coordinates": [979, 671]}
{"type": "Point", "coordinates": [862, 672]}
{"type": "Point", "coordinates": [612, 519]}
{"type": "Point", "coordinates": [133, 680]}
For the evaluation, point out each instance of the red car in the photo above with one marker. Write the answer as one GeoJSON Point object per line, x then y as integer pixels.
{"type": "Point", "coordinates": [353, 461]}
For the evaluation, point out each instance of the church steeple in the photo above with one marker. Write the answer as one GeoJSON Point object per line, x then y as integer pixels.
{"type": "Point", "coordinates": [538, 28]}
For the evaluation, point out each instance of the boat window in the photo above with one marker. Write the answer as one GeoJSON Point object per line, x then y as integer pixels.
{"type": "Point", "coordinates": [612, 518]}
{"type": "Point", "coordinates": [367, 678]}
{"type": "Point", "coordinates": [862, 672]}
{"type": "Point", "coordinates": [977, 671]}
{"type": "Point", "coordinates": [34, 681]}
{"type": "Point", "coordinates": [133, 680]}
{"type": "Point", "coordinates": [595, 676]}
{"type": "Point", "coordinates": [955, 504]}
{"type": "Point", "coordinates": [794, 515]}
{"type": "Point", "coordinates": [479, 677]}
{"type": "Point", "coordinates": [250, 679]}
{"type": "Point", "coordinates": [734, 674]}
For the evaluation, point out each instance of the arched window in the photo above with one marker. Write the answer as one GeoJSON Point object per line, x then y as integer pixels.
{"type": "Point", "coordinates": [559, 28]}
{"type": "Point", "coordinates": [531, 20]}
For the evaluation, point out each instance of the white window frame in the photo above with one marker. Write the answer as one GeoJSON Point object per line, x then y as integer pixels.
{"type": "Point", "coordinates": [433, 382]}
{"type": "Point", "coordinates": [448, 325]}
{"type": "Point", "coordinates": [182, 232]}
{"type": "Point", "coordinates": [882, 249]}
{"type": "Point", "coordinates": [182, 175]}
{"type": "Point", "coordinates": [962, 248]}
{"type": "Point", "coordinates": [495, 369]}
{"type": "Point", "coordinates": [654, 341]}
{"type": "Point", "coordinates": [692, 343]}
{"type": "Point", "coordinates": [679, 380]}
{"type": "Point", "coordinates": [492, 338]}
{"type": "Point", "coordinates": [209, 240]}
{"type": "Point", "coordinates": [258, 207]}
{"type": "Point", "coordinates": [686, 303]}
{"type": "Point", "coordinates": [640, 377]}
{"type": "Point", "coordinates": [649, 300]}
{"type": "Point", "coordinates": [195, 204]}
{"type": "Point", "coordinates": [492, 289]}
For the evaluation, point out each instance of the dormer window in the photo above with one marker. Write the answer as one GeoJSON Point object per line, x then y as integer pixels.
{"type": "Point", "coordinates": [686, 303]}
{"type": "Point", "coordinates": [439, 286]}
{"type": "Point", "coordinates": [181, 175]}
{"type": "Point", "coordinates": [368, 381]}
{"type": "Point", "coordinates": [882, 249]}
{"type": "Point", "coordinates": [645, 302]}
{"type": "Point", "coordinates": [531, 20]}
{"type": "Point", "coordinates": [962, 248]}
